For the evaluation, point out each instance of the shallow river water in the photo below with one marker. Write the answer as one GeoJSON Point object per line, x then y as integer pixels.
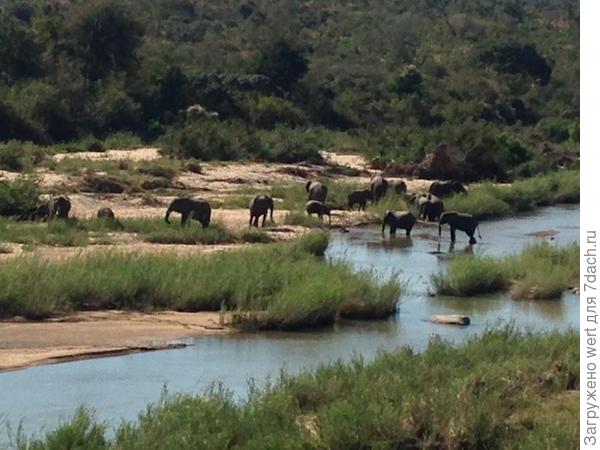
{"type": "Point", "coordinates": [118, 388]}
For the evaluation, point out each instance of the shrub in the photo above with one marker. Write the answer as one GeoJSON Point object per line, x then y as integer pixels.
{"type": "Point", "coordinates": [19, 156]}
{"type": "Point", "coordinates": [19, 198]}
{"type": "Point", "coordinates": [267, 112]}
{"type": "Point", "coordinates": [210, 139]}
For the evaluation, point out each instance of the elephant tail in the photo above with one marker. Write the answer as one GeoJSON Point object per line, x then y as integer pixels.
{"type": "Point", "coordinates": [479, 232]}
{"type": "Point", "coordinates": [272, 209]}
{"type": "Point", "coordinates": [168, 214]}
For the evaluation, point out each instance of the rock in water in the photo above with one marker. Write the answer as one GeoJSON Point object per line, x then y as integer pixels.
{"type": "Point", "coordinates": [450, 319]}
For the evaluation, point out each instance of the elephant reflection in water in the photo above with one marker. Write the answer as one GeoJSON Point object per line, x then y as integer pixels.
{"type": "Point", "coordinates": [393, 243]}
{"type": "Point", "coordinates": [467, 250]}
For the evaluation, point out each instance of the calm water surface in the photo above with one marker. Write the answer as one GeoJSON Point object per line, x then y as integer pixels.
{"type": "Point", "coordinates": [118, 388]}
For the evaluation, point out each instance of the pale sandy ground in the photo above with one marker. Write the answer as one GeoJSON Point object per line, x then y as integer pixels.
{"type": "Point", "coordinates": [98, 334]}
{"type": "Point", "coordinates": [94, 334]}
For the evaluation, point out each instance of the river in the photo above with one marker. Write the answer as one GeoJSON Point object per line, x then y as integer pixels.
{"type": "Point", "coordinates": [118, 388]}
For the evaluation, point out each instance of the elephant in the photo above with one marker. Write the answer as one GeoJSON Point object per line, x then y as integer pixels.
{"type": "Point", "coordinates": [445, 188]}
{"type": "Point", "coordinates": [106, 213]}
{"type": "Point", "coordinates": [316, 191]}
{"type": "Point", "coordinates": [359, 198]}
{"type": "Point", "coordinates": [55, 207]}
{"type": "Point", "coordinates": [379, 186]}
{"type": "Point", "coordinates": [197, 209]}
{"type": "Point", "coordinates": [431, 208]}
{"type": "Point", "coordinates": [403, 219]}
{"type": "Point", "coordinates": [319, 208]}
{"type": "Point", "coordinates": [260, 206]}
{"type": "Point", "coordinates": [459, 221]}
{"type": "Point", "coordinates": [400, 187]}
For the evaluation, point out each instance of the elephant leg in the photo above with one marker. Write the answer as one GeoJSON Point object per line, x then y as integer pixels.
{"type": "Point", "coordinates": [184, 218]}
{"type": "Point", "coordinates": [264, 219]}
{"type": "Point", "coordinates": [393, 229]}
{"type": "Point", "coordinates": [251, 218]}
{"type": "Point", "coordinates": [408, 230]}
{"type": "Point", "coordinates": [452, 233]}
{"type": "Point", "coordinates": [472, 240]}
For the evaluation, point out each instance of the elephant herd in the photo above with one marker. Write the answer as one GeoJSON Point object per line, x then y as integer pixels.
{"type": "Point", "coordinates": [429, 207]}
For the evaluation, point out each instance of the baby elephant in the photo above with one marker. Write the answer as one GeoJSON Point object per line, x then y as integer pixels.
{"type": "Point", "coordinates": [459, 221]}
{"type": "Point", "coordinates": [316, 191]}
{"type": "Point", "coordinates": [260, 206]}
{"type": "Point", "coordinates": [404, 220]}
{"type": "Point", "coordinates": [55, 207]}
{"type": "Point", "coordinates": [359, 198]}
{"type": "Point", "coordinates": [319, 208]}
{"type": "Point", "coordinates": [106, 213]}
{"type": "Point", "coordinates": [190, 208]}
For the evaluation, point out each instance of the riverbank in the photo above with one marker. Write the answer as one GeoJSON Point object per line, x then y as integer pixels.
{"type": "Point", "coordinates": [529, 401]}
{"type": "Point", "coordinates": [540, 271]}
{"type": "Point", "coordinates": [95, 334]}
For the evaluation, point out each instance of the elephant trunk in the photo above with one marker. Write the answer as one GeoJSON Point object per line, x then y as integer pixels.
{"type": "Point", "coordinates": [383, 226]}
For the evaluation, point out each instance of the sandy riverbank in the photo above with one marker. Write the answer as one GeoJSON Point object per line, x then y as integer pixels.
{"type": "Point", "coordinates": [96, 334]}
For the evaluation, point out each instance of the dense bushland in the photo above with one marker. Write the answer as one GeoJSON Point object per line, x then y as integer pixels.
{"type": "Point", "coordinates": [497, 80]}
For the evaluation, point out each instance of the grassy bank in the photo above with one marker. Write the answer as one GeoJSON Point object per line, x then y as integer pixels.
{"type": "Point", "coordinates": [501, 390]}
{"type": "Point", "coordinates": [489, 200]}
{"type": "Point", "coordinates": [540, 271]}
{"type": "Point", "coordinates": [285, 284]}
{"type": "Point", "coordinates": [78, 233]}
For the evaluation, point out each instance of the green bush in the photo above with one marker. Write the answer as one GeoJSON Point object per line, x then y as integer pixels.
{"type": "Point", "coordinates": [210, 139]}
{"type": "Point", "coordinates": [20, 156]}
{"type": "Point", "coordinates": [19, 198]}
{"type": "Point", "coordinates": [268, 112]}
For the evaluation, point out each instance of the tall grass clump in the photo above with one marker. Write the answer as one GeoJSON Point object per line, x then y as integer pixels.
{"type": "Point", "coordinates": [287, 285]}
{"type": "Point", "coordinates": [541, 271]}
{"type": "Point", "coordinates": [59, 233]}
{"type": "Point", "coordinates": [501, 389]}
{"type": "Point", "coordinates": [300, 218]}
{"type": "Point", "coordinates": [489, 200]}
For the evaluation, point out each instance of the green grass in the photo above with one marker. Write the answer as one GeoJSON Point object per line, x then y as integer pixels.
{"type": "Point", "coordinates": [541, 271]}
{"type": "Point", "coordinates": [502, 389]}
{"type": "Point", "coordinates": [300, 218]}
{"type": "Point", "coordinates": [58, 233]}
{"type": "Point", "coordinates": [489, 200]}
{"type": "Point", "coordinates": [288, 285]}
{"type": "Point", "coordinates": [77, 233]}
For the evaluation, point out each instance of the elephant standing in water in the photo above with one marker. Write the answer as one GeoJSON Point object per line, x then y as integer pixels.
{"type": "Point", "coordinates": [459, 221]}
{"type": "Point", "coordinates": [403, 220]}
{"type": "Point", "coordinates": [379, 186]}
{"type": "Point", "coordinates": [359, 198]}
{"type": "Point", "coordinates": [316, 191]}
{"type": "Point", "coordinates": [446, 188]}
{"type": "Point", "coordinates": [318, 208]}
{"type": "Point", "coordinates": [189, 208]}
{"type": "Point", "coordinates": [431, 208]}
{"type": "Point", "coordinates": [260, 206]}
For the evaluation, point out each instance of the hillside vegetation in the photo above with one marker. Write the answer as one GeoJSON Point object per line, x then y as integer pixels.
{"type": "Point", "coordinates": [496, 80]}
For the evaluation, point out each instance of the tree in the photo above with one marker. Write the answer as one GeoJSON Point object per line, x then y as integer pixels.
{"type": "Point", "coordinates": [282, 63]}
{"type": "Point", "coordinates": [106, 39]}
{"type": "Point", "coordinates": [20, 54]}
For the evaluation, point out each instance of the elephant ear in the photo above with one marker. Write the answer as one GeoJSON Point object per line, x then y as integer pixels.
{"type": "Point", "coordinates": [307, 186]}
